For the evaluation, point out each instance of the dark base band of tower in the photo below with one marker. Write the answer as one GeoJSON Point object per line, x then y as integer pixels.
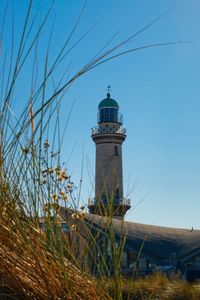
{"type": "Point", "coordinates": [109, 136]}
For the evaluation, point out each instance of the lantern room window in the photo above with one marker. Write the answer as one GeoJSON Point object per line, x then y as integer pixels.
{"type": "Point", "coordinates": [109, 115]}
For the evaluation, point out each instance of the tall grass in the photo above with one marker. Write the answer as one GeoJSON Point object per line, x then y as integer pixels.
{"type": "Point", "coordinates": [156, 286]}
{"type": "Point", "coordinates": [44, 264]}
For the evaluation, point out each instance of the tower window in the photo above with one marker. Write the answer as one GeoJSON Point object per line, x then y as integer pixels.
{"type": "Point", "coordinates": [117, 194]}
{"type": "Point", "coordinates": [108, 115]}
{"type": "Point", "coordinates": [116, 153]}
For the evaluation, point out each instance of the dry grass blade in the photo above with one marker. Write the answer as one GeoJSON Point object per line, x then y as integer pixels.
{"type": "Point", "coordinates": [30, 270]}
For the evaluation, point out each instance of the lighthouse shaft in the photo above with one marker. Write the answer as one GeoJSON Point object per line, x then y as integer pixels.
{"type": "Point", "coordinates": [109, 175]}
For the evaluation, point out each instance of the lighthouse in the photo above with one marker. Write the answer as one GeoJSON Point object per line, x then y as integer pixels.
{"type": "Point", "coordinates": [108, 136]}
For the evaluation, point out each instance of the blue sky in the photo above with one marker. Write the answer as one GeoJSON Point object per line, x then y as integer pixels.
{"type": "Point", "coordinates": [158, 91]}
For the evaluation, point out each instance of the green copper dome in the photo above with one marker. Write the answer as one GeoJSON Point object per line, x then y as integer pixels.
{"type": "Point", "coordinates": [108, 102]}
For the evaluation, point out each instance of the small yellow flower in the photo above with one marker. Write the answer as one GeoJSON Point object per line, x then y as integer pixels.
{"type": "Point", "coordinates": [75, 216]}
{"type": "Point", "coordinates": [50, 170]}
{"type": "Point", "coordinates": [60, 178]}
{"type": "Point", "coordinates": [82, 215]}
{"type": "Point", "coordinates": [64, 175]}
{"type": "Point", "coordinates": [54, 196]}
{"type": "Point", "coordinates": [64, 195]}
{"type": "Point", "coordinates": [58, 172]}
{"type": "Point", "coordinates": [74, 227]}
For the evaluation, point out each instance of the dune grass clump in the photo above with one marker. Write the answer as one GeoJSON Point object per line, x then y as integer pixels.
{"type": "Point", "coordinates": [30, 266]}
{"type": "Point", "coordinates": [154, 287]}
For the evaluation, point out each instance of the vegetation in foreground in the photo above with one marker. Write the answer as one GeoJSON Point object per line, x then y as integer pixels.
{"type": "Point", "coordinates": [155, 287]}
{"type": "Point", "coordinates": [33, 182]}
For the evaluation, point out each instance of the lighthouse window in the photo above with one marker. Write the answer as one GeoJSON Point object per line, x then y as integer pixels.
{"type": "Point", "coordinates": [108, 115]}
{"type": "Point", "coordinates": [117, 194]}
{"type": "Point", "coordinates": [116, 153]}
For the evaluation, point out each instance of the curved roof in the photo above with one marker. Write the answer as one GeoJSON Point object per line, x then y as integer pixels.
{"type": "Point", "coordinates": [157, 242]}
{"type": "Point", "coordinates": [108, 102]}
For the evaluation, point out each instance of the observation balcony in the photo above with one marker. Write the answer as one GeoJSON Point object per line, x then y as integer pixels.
{"type": "Point", "coordinates": [108, 129]}
{"type": "Point", "coordinates": [102, 207]}
{"type": "Point", "coordinates": [117, 201]}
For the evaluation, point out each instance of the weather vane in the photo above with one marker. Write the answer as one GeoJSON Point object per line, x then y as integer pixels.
{"type": "Point", "coordinates": [109, 87]}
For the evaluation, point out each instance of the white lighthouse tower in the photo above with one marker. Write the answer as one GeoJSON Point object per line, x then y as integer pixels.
{"type": "Point", "coordinates": [109, 136]}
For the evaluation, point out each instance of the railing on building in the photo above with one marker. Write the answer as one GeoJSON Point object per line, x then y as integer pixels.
{"type": "Point", "coordinates": [108, 129]}
{"type": "Point", "coordinates": [117, 201]}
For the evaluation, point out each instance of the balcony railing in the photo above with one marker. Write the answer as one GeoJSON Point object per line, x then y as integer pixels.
{"type": "Point", "coordinates": [108, 129]}
{"type": "Point", "coordinates": [117, 201]}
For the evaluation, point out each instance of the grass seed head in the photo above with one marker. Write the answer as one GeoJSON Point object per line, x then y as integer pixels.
{"type": "Point", "coordinates": [75, 216]}
{"type": "Point", "coordinates": [60, 178]}
{"type": "Point", "coordinates": [46, 144]}
{"type": "Point", "coordinates": [54, 196]}
{"type": "Point", "coordinates": [74, 227]}
{"type": "Point", "coordinates": [50, 170]}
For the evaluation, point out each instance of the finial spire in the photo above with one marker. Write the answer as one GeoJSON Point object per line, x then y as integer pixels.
{"type": "Point", "coordinates": [108, 94]}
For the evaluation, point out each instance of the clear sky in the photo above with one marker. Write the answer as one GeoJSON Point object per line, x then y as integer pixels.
{"type": "Point", "coordinates": [158, 91]}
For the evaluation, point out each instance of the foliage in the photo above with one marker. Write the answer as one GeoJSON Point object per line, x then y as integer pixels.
{"type": "Point", "coordinates": [154, 287]}
{"type": "Point", "coordinates": [34, 182]}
